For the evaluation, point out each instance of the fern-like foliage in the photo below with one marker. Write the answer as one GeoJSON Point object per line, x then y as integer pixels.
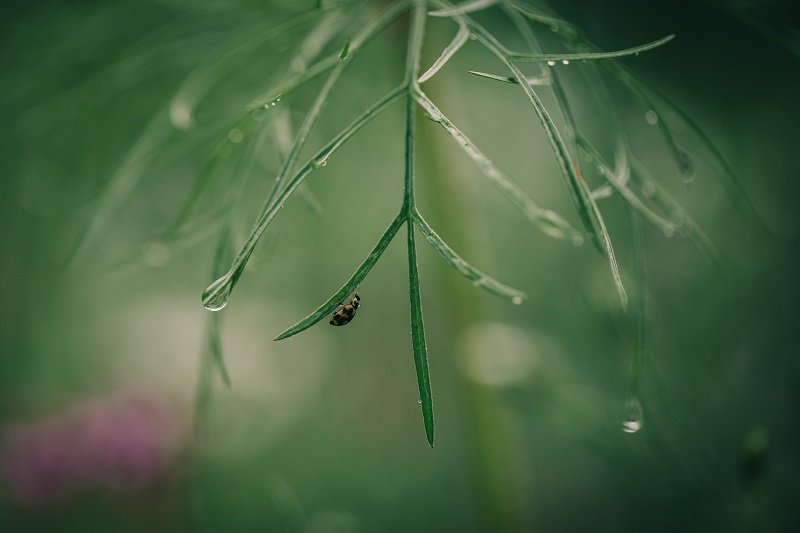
{"type": "Point", "coordinates": [625, 177]}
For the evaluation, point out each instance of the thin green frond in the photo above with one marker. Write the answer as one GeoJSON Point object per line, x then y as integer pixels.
{"type": "Point", "coordinates": [475, 276]}
{"type": "Point", "coordinates": [545, 80]}
{"type": "Point", "coordinates": [461, 9]}
{"type": "Point", "coordinates": [568, 169]}
{"type": "Point", "coordinates": [355, 280]}
{"type": "Point", "coordinates": [216, 295]}
{"type": "Point", "coordinates": [592, 56]}
{"type": "Point", "coordinates": [461, 37]}
{"type": "Point", "coordinates": [548, 221]}
{"type": "Point", "coordinates": [418, 339]}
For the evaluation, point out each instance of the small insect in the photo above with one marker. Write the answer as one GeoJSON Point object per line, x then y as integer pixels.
{"type": "Point", "coordinates": [346, 311]}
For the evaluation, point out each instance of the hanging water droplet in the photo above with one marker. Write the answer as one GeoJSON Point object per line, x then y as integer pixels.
{"type": "Point", "coordinates": [565, 61]}
{"type": "Point", "coordinates": [235, 135]}
{"type": "Point", "coordinates": [551, 63]}
{"type": "Point", "coordinates": [686, 165]}
{"type": "Point", "coordinates": [216, 295]}
{"type": "Point", "coordinates": [180, 114]}
{"type": "Point", "coordinates": [634, 416]}
{"type": "Point", "coordinates": [577, 240]}
{"type": "Point", "coordinates": [669, 230]}
{"type": "Point", "coordinates": [516, 300]}
{"type": "Point", "coordinates": [651, 117]}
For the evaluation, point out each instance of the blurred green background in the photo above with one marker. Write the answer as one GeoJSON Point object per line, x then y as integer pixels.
{"type": "Point", "coordinates": [322, 432]}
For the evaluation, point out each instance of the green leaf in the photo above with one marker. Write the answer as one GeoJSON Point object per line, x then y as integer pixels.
{"type": "Point", "coordinates": [478, 278]}
{"type": "Point", "coordinates": [592, 56]}
{"type": "Point", "coordinates": [548, 221]}
{"type": "Point", "coordinates": [495, 77]}
{"type": "Point", "coordinates": [458, 41]}
{"type": "Point", "coordinates": [542, 80]}
{"type": "Point", "coordinates": [217, 294]}
{"type": "Point", "coordinates": [355, 280]}
{"type": "Point", "coordinates": [587, 208]}
{"type": "Point", "coordinates": [418, 339]}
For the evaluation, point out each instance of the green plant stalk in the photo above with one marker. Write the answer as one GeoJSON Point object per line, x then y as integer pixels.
{"type": "Point", "coordinates": [491, 443]}
{"type": "Point", "coordinates": [418, 344]}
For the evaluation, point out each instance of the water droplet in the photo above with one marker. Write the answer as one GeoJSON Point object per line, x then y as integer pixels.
{"type": "Point", "coordinates": [516, 300]}
{"type": "Point", "coordinates": [273, 102]}
{"type": "Point", "coordinates": [472, 36]}
{"type": "Point", "coordinates": [633, 419]}
{"type": "Point", "coordinates": [235, 135]}
{"type": "Point", "coordinates": [551, 63]}
{"type": "Point", "coordinates": [577, 240]}
{"type": "Point", "coordinates": [686, 165]}
{"type": "Point", "coordinates": [651, 117]}
{"type": "Point", "coordinates": [554, 27]}
{"type": "Point", "coordinates": [180, 114]}
{"type": "Point", "coordinates": [669, 230]}
{"type": "Point", "coordinates": [216, 295]}
{"type": "Point", "coordinates": [321, 162]}
{"type": "Point", "coordinates": [157, 254]}
{"type": "Point", "coordinates": [565, 61]}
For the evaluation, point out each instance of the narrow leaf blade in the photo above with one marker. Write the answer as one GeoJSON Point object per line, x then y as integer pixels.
{"type": "Point", "coordinates": [478, 278]}
{"type": "Point", "coordinates": [355, 280]}
{"type": "Point", "coordinates": [548, 221]}
{"type": "Point", "coordinates": [461, 9]}
{"type": "Point", "coordinates": [458, 41]}
{"type": "Point", "coordinates": [594, 56]}
{"type": "Point", "coordinates": [418, 339]}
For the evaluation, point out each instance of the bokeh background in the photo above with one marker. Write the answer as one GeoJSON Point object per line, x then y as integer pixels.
{"type": "Point", "coordinates": [322, 432]}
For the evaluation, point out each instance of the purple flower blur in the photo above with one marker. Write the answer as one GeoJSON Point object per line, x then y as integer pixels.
{"type": "Point", "coordinates": [124, 441]}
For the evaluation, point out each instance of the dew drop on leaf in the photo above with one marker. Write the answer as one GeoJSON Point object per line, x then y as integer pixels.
{"type": "Point", "coordinates": [632, 420]}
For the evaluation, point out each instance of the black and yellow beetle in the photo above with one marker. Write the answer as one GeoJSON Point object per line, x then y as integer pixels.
{"type": "Point", "coordinates": [346, 311]}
